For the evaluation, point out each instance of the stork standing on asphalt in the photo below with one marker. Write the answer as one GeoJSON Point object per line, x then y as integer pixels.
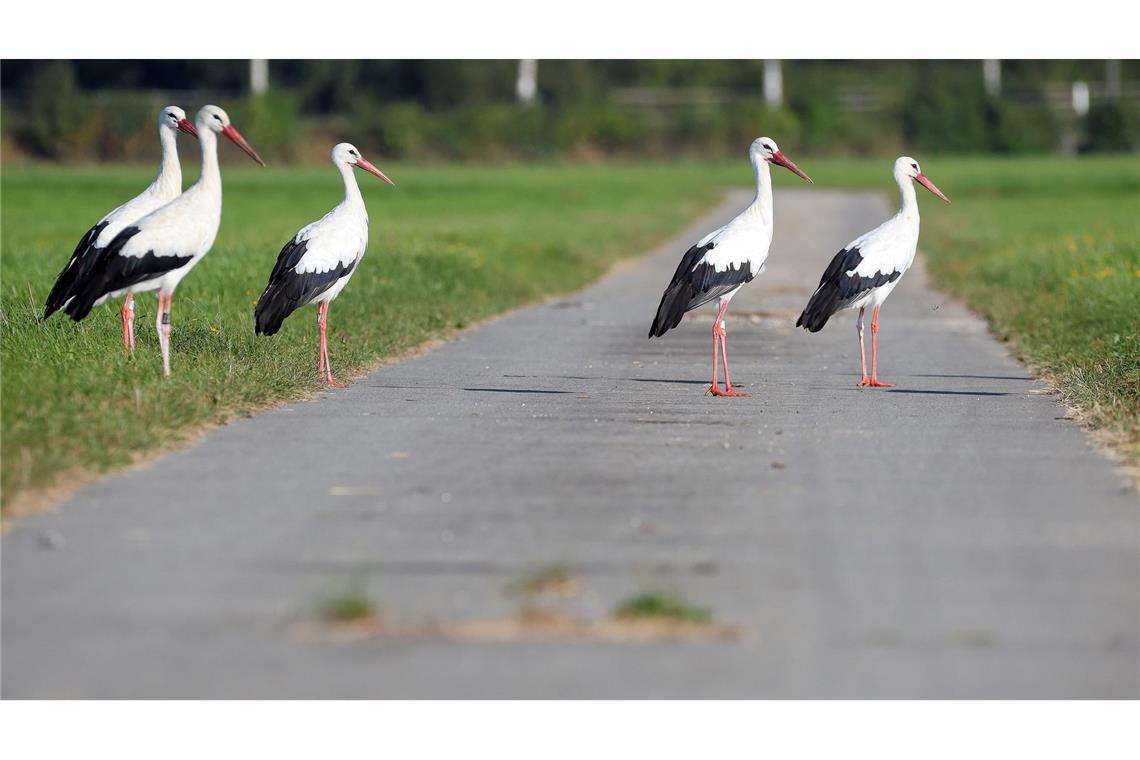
{"type": "Point", "coordinates": [316, 264]}
{"type": "Point", "coordinates": [868, 268]}
{"type": "Point", "coordinates": [157, 251]}
{"type": "Point", "coordinates": [165, 188]}
{"type": "Point", "coordinates": [724, 260]}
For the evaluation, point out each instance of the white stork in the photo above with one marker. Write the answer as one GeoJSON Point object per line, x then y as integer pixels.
{"type": "Point", "coordinates": [157, 251]}
{"type": "Point", "coordinates": [165, 188]}
{"type": "Point", "coordinates": [868, 268]}
{"type": "Point", "coordinates": [724, 260]}
{"type": "Point", "coordinates": [316, 264]}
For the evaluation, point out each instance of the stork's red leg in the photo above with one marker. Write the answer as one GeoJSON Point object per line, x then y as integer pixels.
{"type": "Point", "coordinates": [321, 347]}
{"type": "Point", "coordinates": [863, 379]}
{"type": "Point", "coordinates": [714, 389]}
{"type": "Point", "coordinates": [128, 314]}
{"type": "Point", "coordinates": [719, 344]}
{"type": "Point", "coordinates": [162, 325]}
{"type": "Point", "coordinates": [875, 352]}
{"type": "Point", "coordinates": [131, 322]}
{"type": "Point", "coordinates": [728, 389]}
{"type": "Point", "coordinates": [325, 347]}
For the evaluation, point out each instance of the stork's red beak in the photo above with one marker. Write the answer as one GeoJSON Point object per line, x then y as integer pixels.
{"type": "Point", "coordinates": [187, 127]}
{"type": "Point", "coordinates": [779, 158]}
{"type": "Point", "coordinates": [922, 180]}
{"type": "Point", "coordinates": [239, 141]}
{"type": "Point", "coordinates": [369, 167]}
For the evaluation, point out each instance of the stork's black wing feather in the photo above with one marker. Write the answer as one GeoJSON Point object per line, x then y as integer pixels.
{"type": "Point", "coordinates": [289, 290]}
{"type": "Point", "coordinates": [113, 271]}
{"type": "Point", "coordinates": [694, 284]}
{"type": "Point", "coordinates": [837, 289]}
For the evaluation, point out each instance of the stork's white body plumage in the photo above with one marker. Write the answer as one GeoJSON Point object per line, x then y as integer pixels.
{"type": "Point", "coordinates": [889, 249]}
{"type": "Point", "coordinates": [336, 241]}
{"type": "Point", "coordinates": [868, 269]}
{"type": "Point", "coordinates": [726, 259]}
{"type": "Point", "coordinates": [165, 188]}
{"type": "Point", "coordinates": [316, 264]}
{"type": "Point", "coordinates": [160, 249]}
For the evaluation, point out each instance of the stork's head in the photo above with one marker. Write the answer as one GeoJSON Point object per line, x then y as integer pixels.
{"type": "Point", "coordinates": [905, 166]}
{"type": "Point", "coordinates": [346, 153]}
{"type": "Point", "coordinates": [216, 120]}
{"type": "Point", "coordinates": [765, 149]}
{"type": "Point", "coordinates": [174, 119]}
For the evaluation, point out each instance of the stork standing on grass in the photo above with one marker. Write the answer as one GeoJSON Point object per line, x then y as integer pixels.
{"type": "Point", "coordinates": [316, 264]}
{"type": "Point", "coordinates": [724, 260]}
{"type": "Point", "coordinates": [165, 188]}
{"type": "Point", "coordinates": [868, 268]}
{"type": "Point", "coordinates": [157, 251]}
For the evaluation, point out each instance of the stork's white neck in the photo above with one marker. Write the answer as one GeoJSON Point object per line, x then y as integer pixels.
{"type": "Point", "coordinates": [762, 203]}
{"type": "Point", "coordinates": [169, 179]}
{"type": "Point", "coordinates": [211, 176]}
{"type": "Point", "coordinates": [908, 199]}
{"type": "Point", "coordinates": [352, 196]}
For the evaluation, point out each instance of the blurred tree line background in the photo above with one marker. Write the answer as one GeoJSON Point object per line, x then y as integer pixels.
{"type": "Point", "coordinates": [104, 110]}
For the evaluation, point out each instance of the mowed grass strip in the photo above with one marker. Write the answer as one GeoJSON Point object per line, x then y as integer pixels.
{"type": "Point", "coordinates": [448, 246]}
{"type": "Point", "coordinates": [1048, 250]}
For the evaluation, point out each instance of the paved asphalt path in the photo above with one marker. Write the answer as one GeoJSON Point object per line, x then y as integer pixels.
{"type": "Point", "coordinates": [953, 537]}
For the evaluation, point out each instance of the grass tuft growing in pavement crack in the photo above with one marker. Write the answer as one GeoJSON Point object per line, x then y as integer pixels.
{"type": "Point", "coordinates": [654, 605]}
{"type": "Point", "coordinates": [348, 607]}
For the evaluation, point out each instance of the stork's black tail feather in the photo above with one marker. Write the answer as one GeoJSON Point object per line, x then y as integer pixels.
{"type": "Point", "coordinates": [271, 310]}
{"type": "Point", "coordinates": [834, 290]}
{"type": "Point", "coordinates": [674, 303]}
{"type": "Point", "coordinates": [822, 304]}
{"type": "Point", "coordinates": [78, 268]}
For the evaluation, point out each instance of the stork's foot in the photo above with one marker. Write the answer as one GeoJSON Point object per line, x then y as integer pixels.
{"type": "Point", "coordinates": [728, 391]}
{"type": "Point", "coordinates": [874, 383]}
{"type": "Point", "coordinates": [333, 383]}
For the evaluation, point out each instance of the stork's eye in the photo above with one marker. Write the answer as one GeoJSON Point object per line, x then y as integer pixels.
{"type": "Point", "coordinates": [219, 118]}
{"type": "Point", "coordinates": [914, 166]}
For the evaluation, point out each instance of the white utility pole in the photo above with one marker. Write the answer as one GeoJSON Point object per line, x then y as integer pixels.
{"type": "Point", "coordinates": [773, 84]}
{"type": "Point", "coordinates": [1080, 98]}
{"type": "Point", "coordinates": [526, 86]}
{"type": "Point", "coordinates": [991, 74]}
{"type": "Point", "coordinates": [258, 76]}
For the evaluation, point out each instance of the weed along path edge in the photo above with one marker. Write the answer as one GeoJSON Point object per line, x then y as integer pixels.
{"type": "Point", "coordinates": [951, 537]}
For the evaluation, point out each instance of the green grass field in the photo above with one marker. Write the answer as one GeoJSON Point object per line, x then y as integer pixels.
{"type": "Point", "coordinates": [1052, 258]}
{"type": "Point", "coordinates": [1048, 249]}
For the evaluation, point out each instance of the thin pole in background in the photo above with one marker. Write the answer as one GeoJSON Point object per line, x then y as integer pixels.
{"type": "Point", "coordinates": [258, 75]}
{"type": "Point", "coordinates": [773, 84]}
{"type": "Point", "coordinates": [991, 74]}
{"type": "Point", "coordinates": [526, 85]}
